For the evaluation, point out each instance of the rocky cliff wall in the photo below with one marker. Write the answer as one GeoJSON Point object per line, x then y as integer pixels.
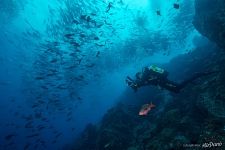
{"type": "Point", "coordinates": [209, 20]}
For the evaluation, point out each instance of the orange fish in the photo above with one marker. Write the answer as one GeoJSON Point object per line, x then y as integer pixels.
{"type": "Point", "coordinates": [145, 109]}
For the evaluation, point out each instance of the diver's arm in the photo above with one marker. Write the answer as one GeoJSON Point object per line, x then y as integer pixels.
{"type": "Point", "coordinates": [134, 84]}
{"type": "Point", "coordinates": [129, 78]}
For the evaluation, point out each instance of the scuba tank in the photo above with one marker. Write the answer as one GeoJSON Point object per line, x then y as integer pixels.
{"type": "Point", "coordinates": [158, 70]}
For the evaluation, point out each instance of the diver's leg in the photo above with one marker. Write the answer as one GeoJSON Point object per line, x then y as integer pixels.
{"type": "Point", "coordinates": [171, 86]}
{"type": "Point", "coordinates": [194, 77]}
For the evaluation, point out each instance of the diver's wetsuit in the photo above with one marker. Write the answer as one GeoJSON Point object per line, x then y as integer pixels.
{"type": "Point", "coordinates": [149, 77]}
{"type": "Point", "coordinates": [176, 87]}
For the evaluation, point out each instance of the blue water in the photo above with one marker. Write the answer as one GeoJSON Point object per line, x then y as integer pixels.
{"type": "Point", "coordinates": [47, 93]}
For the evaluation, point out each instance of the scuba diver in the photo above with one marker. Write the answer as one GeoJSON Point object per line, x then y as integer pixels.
{"type": "Point", "coordinates": [156, 76]}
